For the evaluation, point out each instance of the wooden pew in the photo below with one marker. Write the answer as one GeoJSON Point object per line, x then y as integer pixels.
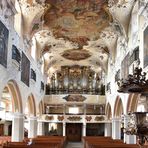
{"type": "Point", "coordinates": [39, 142]}
{"type": "Point", "coordinates": [105, 142]}
{"type": "Point", "coordinates": [110, 145]}
{"type": "Point", "coordinates": [15, 144]}
{"type": "Point", "coordinates": [4, 139]}
{"type": "Point", "coordinates": [51, 139]}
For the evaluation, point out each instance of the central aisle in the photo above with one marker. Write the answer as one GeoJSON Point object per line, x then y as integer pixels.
{"type": "Point", "coordinates": [74, 145]}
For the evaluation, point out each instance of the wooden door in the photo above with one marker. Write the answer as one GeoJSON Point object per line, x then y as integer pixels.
{"type": "Point", "coordinates": [74, 131]}
{"type": "Point", "coordinates": [10, 130]}
{"type": "Point", "coordinates": [1, 129]}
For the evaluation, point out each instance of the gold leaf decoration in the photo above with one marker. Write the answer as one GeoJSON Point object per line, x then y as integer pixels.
{"type": "Point", "coordinates": [60, 118]}
{"type": "Point", "coordinates": [88, 118]}
{"type": "Point", "coordinates": [75, 118]}
{"type": "Point", "coordinates": [49, 118]}
{"type": "Point", "coordinates": [99, 118]}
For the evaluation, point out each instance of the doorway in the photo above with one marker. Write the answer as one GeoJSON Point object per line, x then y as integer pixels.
{"type": "Point", "coordinates": [95, 129]}
{"type": "Point", "coordinates": [74, 132]}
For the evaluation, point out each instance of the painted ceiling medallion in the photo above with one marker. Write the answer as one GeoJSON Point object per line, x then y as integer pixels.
{"type": "Point", "coordinates": [75, 98]}
{"type": "Point", "coordinates": [76, 54]}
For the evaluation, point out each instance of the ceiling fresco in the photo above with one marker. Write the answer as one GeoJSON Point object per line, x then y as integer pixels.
{"type": "Point", "coordinates": [76, 54]}
{"type": "Point", "coordinates": [77, 20]}
{"type": "Point", "coordinates": [75, 32]}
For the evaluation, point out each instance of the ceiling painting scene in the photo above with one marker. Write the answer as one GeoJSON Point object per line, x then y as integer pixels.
{"type": "Point", "coordinates": [75, 33]}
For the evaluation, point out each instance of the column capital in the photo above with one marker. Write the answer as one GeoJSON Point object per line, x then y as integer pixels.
{"type": "Point", "coordinates": [108, 121]}
{"type": "Point", "coordinates": [116, 119]}
{"type": "Point", "coordinates": [40, 121]}
{"type": "Point", "coordinates": [33, 118]}
{"type": "Point", "coordinates": [126, 117]}
{"type": "Point", "coordinates": [18, 115]}
{"type": "Point", "coordinates": [84, 124]}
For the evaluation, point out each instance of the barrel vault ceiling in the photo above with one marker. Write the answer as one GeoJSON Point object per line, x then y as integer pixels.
{"type": "Point", "coordinates": [75, 32]}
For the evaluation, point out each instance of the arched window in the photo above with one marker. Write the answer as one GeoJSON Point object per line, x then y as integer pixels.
{"type": "Point", "coordinates": [6, 101]}
{"type": "Point", "coordinates": [33, 48]}
{"type": "Point", "coordinates": [140, 108]}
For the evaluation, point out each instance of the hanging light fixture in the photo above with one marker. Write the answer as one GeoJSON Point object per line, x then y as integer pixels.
{"type": "Point", "coordinates": [136, 83]}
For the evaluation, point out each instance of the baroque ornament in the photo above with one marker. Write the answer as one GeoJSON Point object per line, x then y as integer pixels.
{"type": "Point", "coordinates": [74, 118]}
{"type": "Point", "coordinates": [49, 118]}
{"type": "Point", "coordinates": [76, 54]}
{"type": "Point", "coordinates": [88, 118]}
{"type": "Point", "coordinates": [99, 118]}
{"type": "Point", "coordinates": [75, 98]}
{"type": "Point", "coordinates": [60, 118]}
{"type": "Point", "coordinates": [134, 83]}
{"type": "Point", "coordinates": [137, 125]}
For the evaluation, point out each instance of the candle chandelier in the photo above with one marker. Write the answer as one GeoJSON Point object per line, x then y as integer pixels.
{"type": "Point", "coordinates": [136, 83]}
{"type": "Point", "coordinates": [137, 122]}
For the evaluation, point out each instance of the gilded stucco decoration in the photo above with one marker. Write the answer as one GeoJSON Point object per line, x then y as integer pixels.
{"type": "Point", "coordinates": [75, 32]}
{"type": "Point", "coordinates": [74, 118]}
{"type": "Point", "coordinates": [99, 118]}
{"type": "Point", "coordinates": [88, 118]}
{"type": "Point", "coordinates": [76, 54]}
{"type": "Point", "coordinates": [75, 98]}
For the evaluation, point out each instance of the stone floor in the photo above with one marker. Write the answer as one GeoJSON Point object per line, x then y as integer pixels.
{"type": "Point", "coordinates": [74, 145]}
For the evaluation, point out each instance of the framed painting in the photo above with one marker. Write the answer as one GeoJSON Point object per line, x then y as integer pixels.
{"type": "Point", "coordinates": [146, 47]}
{"type": "Point", "coordinates": [4, 34]}
{"type": "Point", "coordinates": [125, 67]}
{"type": "Point", "coordinates": [42, 85]}
{"type": "Point", "coordinates": [25, 69]}
{"type": "Point", "coordinates": [16, 54]}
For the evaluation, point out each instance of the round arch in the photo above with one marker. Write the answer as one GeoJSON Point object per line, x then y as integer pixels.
{"type": "Point", "coordinates": [118, 107]}
{"type": "Point", "coordinates": [132, 102]}
{"type": "Point", "coordinates": [15, 96]}
{"type": "Point", "coordinates": [108, 111]}
{"type": "Point", "coordinates": [31, 105]}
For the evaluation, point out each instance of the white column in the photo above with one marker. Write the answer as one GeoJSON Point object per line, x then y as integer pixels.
{"type": "Point", "coordinates": [41, 129]}
{"type": "Point", "coordinates": [116, 128]}
{"type": "Point", "coordinates": [84, 129]}
{"type": "Point", "coordinates": [131, 139]}
{"type": "Point", "coordinates": [32, 132]}
{"type": "Point", "coordinates": [17, 127]}
{"type": "Point", "coordinates": [128, 139]}
{"type": "Point", "coordinates": [108, 129]}
{"type": "Point", "coordinates": [64, 129]}
{"type": "Point", "coordinates": [126, 120]}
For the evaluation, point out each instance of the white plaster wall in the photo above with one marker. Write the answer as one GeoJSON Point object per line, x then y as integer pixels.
{"type": "Point", "coordinates": [11, 72]}
{"type": "Point", "coordinates": [135, 39]}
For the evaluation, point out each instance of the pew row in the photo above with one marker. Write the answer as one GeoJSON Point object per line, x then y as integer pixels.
{"type": "Point", "coordinates": [39, 142]}
{"type": "Point", "coordinates": [105, 142]}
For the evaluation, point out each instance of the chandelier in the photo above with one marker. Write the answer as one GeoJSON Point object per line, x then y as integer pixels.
{"type": "Point", "coordinates": [137, 122]}
{"type": "Point", "coordinates": [136, 83]}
